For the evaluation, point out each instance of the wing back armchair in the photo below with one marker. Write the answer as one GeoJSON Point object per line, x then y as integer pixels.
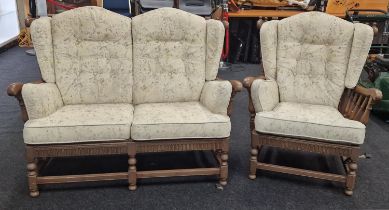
{"type": "Point", "coordinates": [308, 100]}
{"type": "Point", "coordinates": [115, 86]}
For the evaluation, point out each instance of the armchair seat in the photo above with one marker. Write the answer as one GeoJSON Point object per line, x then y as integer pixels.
{"type": "Point", "coordinates": [81, 123]}
{"type": "Point", "coordinates": [321, 122]}
{"type": "Point", "coordinates": [153, 121]}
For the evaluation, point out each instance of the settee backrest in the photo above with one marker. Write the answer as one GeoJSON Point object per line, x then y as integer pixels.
{"type": "Point", "coordinates": [175, 52]}
{"type": "Point", "coordinates": [97, 56]}
{"type": "Point", "coordinates": [313, 56]}
{"type": "Point", "coordinates": [87, 52]}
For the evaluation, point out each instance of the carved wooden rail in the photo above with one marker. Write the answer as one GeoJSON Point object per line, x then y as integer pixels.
{"type": "Point", "coordinates": [356, 103]}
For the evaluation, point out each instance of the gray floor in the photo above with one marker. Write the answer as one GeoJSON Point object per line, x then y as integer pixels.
{"type": "Point", "coordinates": [268, 191]}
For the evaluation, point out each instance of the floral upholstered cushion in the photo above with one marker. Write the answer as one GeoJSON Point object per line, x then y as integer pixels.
{"type": "Point", "coordinates": [313, 56]}
{"type": "Point", "coordinates": [264, 94]}
{"type": "Point", "coordinates": [325, 123]}
{"type": "Point", "coordinates": [155, 121]}
{"type": "Point", "coordinates": [216, 96]}
{"type": "Point", "coordinates": [41, 100]}
{"type": "Point", "coordinates": [215, 42]}
{"type": "Point", "coordinates": [174, 55]}
{"type": "Point", "coordinates": [43, 46]}
{"type": "Point", "coordinates": [92, 52]}
{"type": "Point", "coordinates": [81, 123]}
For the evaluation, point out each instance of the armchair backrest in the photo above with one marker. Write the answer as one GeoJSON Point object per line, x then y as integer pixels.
{"type": "Point", "coordinates": [175, 52]}
{"type": "Point", "coordinates": [313, 56]}
{"type": "Point", "coordinates": [87, 52]}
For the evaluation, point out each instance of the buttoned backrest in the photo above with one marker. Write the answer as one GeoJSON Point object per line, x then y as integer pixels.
{"type": "Point", "coordinates": [87, 52]}
{"type": "Point", "coordinates": [313, 56]}
{"type": "Point", "coordinates": [175, 52]}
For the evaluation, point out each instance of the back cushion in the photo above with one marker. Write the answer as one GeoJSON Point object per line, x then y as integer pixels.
{"type": "Point", "coordinates": [169, 56]}
{"type": "Point", "coordinates": [312, 58]}
{"type": "Point", "coordinates": [93, 56]}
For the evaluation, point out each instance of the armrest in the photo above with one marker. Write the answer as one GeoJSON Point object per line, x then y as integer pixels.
{"type": "Point", "coordinates": [15, 89]}
{"type": "Point", "coordinates": [254, 97]}
{"type": "Point", "coordinates": [374, 93]}
{"type": "Point", "coordinates": [263, 93]}
{"type": "Point", "coordinates": [36, 99]}
{"type": "Point", "coordinates": [217, 95]}
{"type": "Point", "coordinates": [356, 104]}
{"type": "Point", "coordinates": [42, 99]}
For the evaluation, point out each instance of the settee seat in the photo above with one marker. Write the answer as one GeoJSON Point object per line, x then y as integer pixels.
{"type": "Point", "coordinates": [81, 123]}
{"type": "Point", "coordinates": [154, 121]}
{"type": "Point", "coordinates": [310, 121]}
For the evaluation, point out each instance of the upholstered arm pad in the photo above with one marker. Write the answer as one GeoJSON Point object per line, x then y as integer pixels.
{"type": "Point", "coordinates": [41, 100]}
{"type": "Point", "coordinates": [216, 96]}
{"type": "Point", "coordinates": [263, 92]}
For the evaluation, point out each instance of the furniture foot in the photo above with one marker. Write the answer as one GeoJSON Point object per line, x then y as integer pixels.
{"type": "Point", "coordinates": [348, 192]}
{"type": "Point", "coordinates": [223, 169]}
{"type": "Point", "coordinates": [350, 177]}
{"type": "Point", "coordinates": [32, 179]}
{"type": "Point", "coordinates": [253, 163]}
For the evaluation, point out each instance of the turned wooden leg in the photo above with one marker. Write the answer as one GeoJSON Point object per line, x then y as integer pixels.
{"type": "Point", "coordinates": [253, 163]}
{"type": "Point", "coordinates": [223, 169]}
{"type": "Point", "coordinates": [254, 155]}
{"type": "Point", "coordinates": [32, 173]}
{"type": "Point", "coordinates": [132, 167]}
{"type": "Point", "coordinates": [351, 176]}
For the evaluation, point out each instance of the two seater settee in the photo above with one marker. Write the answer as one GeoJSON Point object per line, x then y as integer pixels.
{"type": "Point", "coordinates": [114, 85]}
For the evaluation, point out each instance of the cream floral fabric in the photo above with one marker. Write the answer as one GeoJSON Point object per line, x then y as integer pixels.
{"type": "Point", "coordinates": [216, 96]}
{"type": "Point", "coordinates": [310, 121]}
{"type": "Point", "coordinates": [269, 43]}
{"type": "Point", "coordinates": [178, 120]}
{"type": "Point", "coordinates": [363, 36]}
{"type": "Point", "coordinates": [81, 123]}
{"type": "Point", "coordinates": [215, 41]}
{"type": "Point", "coordinates": [264, 94]}
{"type": "Point", "coordinates": [86, 55]}
{"type": "Point", "coordinates": [312, 59]}
{"type": "Point", "coordinates": [92, 56]}
{"type": "Point", "coordinates": [169, 56]}
{"type": "Point", "coordinates": [43, 45]}
{"type": "Point", "coordinates": [41, 100]}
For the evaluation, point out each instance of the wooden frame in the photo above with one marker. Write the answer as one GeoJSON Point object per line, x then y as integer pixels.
{"type": "Point", "coordinates": [39, 155]}
{"type": "Point", "coordinates": [355, 104]}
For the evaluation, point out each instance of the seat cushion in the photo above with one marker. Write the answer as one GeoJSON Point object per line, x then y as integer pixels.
{"type": "Point", "coordinates": [81, 123]}
{"type": "Point", "coordinates": [310, 121]}
{"type": "Point", "coordinates": [177, 120]}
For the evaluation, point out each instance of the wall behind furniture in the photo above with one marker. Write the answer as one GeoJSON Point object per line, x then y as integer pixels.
{"type": "Point", "coordinates": [9, 21]}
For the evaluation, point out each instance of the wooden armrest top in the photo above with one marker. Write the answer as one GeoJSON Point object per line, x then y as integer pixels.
{"type": "Point", "coordinates": [236, 85]}
{"type": "Point", "coordinates": [248, 81]}
{"type": "Point", "coordinates": [373, 92]}
{"type": "Point", "coordinates": [15, 88]}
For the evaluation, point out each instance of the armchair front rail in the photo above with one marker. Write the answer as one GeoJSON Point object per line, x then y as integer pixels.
{"type": "Point", "coordinates": [122, 87]}
{"type": "Point", "coordinates": [308, 99]}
